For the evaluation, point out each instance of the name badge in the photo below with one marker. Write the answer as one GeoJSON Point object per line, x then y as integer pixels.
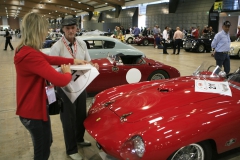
{"type": "Point", "coordinates": [50, 94]}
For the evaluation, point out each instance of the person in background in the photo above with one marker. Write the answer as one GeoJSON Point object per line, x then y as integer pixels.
{"type": "Point", "coordinates": [74, 113]}
{"type": "Point", "coordinates": [210, 30]}
{"type": "Point", "coordinates": [205, 30]}
{"type": "Point", "coordinates": [8, 41]}
{"type": "Point", "coordinates": [178, 36]}
{"type": "Point", "coordinates": [158, 41]}
{"type": "Point", "coordinates": [238, 32]}
{"type": "Point", "coordinates": [33, 68]}
{"type": "Point", "coordinates": [221, 46]}
{"type": "Point", "coordinates": [156, 31]}
{"type": "Point", "coordinates": [165, 40]}
{"type": "Point", "coordinates": [136, 32]}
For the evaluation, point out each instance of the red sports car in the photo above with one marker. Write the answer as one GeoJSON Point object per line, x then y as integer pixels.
{"type": "Point", "coordinates": [125, 69]}
{"type": "Point", "coordinates": [192, 117]}
{"type": "Point", "coordinates": [144, 40]}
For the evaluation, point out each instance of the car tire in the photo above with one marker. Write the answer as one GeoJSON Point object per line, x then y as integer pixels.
{"type": "Point", "coordinates": [130, 40]}
{"type": "Point", "coordinates": [158, 74]}
{"type": "Point", "coordinates": [201, 48]}
{"type": "Point", "coordinates": [203, 149]}
{"type": "Point", "coordinates": [238, 54]}
{"type": "Point", "coordinates": [187, 50]}
{"type": "Point", "coordinates": [145, 42]}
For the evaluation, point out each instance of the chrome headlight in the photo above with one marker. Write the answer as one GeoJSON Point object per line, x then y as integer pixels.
{"type": "Point", "coordinates": [133, 148]}
{"type": "Point", "coordinates": [194, 43]}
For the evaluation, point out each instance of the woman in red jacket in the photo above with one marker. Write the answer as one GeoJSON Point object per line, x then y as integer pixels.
{"type": "Point", "coordinates": [33, 68]}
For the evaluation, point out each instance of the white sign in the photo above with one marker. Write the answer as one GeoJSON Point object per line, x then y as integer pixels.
{"type": "Point", "coordinates": [213, 87]}
{"type": "Point", "coordinates": [82, 76]}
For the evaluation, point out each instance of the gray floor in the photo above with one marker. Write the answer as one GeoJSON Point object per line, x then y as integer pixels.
{"type": "Point", "coordinates": [15, 142]}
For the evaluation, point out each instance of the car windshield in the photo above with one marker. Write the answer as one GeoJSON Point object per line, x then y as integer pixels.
{"type": "Point", "coordinates": [234, 79]}
{"type": "Point", "coordinates": [208, 70]}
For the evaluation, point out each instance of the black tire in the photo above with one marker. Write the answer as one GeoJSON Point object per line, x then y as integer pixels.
{"type": "Point", "coordinates": [187, 50]}
{"type": "Point", "coordinates": [201, 48]}
{"type": "Point", "coordinates": [145, 42]}
{"type": "Point", "coordinates": [204, 149]}
{"type": "Point", "coordinates": [158, 74]}
{"type": "Point", "coordinates": [238, 56]}
{"type": "Point", "coordinates": [130, 40]}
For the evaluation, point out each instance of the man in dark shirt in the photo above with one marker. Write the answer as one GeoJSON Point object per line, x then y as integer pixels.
{"type": "Point", "coordinates": [8, 38]}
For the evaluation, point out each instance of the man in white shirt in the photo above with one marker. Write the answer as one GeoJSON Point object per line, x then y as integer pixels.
{"type": "Point", "coordinates": [177, 37]}
{"type": "Point", "coordinates": [165, 40]}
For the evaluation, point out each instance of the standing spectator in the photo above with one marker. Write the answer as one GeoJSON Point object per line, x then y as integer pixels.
{"type": "Point", "coordinates": [195, 33]}
{"type": "Point", "coordinates": [156, 31]}
{"type": "Point", "coordinates": [210, 30]}
{"type": "Point", "coordinates": [8, 40]}
{"type": "Point", "coordinates": [118, 33]}
{"type": "Point", "coordinates": [178, 36]}
{"type": "Point", "coordinates": [165, 40]}
{"type": "Point", "coordinates": [158, 40]}
{"type": "Point", "coordinates": [136, 32]}
{"type": "Point", "coordinates": [123, 30]}
{"type": "Point", "coordinates": [205, 30]}
{"type": "Point", "coordinates": [238, 32]}
{"type": "Point", "coordinates": [221, 45]}
{"type": "Point", "coordinates": [74, 113]}
{"type": "Point", "coordinates": [33, 68]}
{"type": "Point", "coordinates": [127, 31]}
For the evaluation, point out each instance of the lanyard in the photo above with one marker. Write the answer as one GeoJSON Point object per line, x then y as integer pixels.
{"type": "Point", "coordinates": [69, 49]}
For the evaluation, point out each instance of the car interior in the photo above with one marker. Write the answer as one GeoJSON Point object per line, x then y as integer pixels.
{"type": "Point", "coordinates": [130, 59]}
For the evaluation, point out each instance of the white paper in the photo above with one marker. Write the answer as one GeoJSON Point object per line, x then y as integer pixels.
{"type": "Point", "coordinates": [82, 76]}
{"type": "Point", "coordinates": [213, 87]}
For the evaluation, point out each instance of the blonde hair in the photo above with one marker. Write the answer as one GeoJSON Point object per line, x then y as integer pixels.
{"type": "Point", "coordinates": [33, 31]}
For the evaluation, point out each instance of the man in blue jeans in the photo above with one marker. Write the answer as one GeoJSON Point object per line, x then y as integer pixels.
{"type": "Point", "coordinates": [221, 45]}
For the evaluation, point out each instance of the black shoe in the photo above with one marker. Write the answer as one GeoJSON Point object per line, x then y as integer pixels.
{"type": "Point", "coordinates": [177, 53]}
{"type": "Point", "coordinates": [12, 49]}
{"type": "Point", "coordinates": [84, 144]}
{"type": "Point", "coordinates": [4, 49]}
{"type": "Point", "coordinates": [165, 53]}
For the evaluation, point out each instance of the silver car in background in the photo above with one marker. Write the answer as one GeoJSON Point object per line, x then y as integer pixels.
{"type": "Point", "coordinates": [102, 46]}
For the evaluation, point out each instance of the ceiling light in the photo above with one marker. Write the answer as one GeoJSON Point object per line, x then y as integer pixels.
{"type": "Point", "coordinates": [79, 2]}
{"type": "Point", "coordinates": [106, 3]}
{"type": "Point", "coordinates": [87, 8]}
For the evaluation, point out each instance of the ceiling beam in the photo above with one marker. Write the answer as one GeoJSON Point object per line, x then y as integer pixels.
{"type": "Point", "coordinates": [66, 3]}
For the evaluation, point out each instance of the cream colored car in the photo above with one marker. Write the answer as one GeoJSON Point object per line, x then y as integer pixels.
{"type": "Point", "coordinates": [235, 48]}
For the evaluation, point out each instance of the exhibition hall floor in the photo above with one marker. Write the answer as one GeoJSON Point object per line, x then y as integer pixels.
{"type": "Point", "coordinates": [15, 141]}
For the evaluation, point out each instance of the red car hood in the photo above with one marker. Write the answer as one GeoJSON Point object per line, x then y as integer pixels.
{"type": "Point", "coordinates": [155, 98]}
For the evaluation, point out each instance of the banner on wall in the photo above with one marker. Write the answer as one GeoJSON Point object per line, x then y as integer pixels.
{"type": "Point", "coordinates": [218, 6]}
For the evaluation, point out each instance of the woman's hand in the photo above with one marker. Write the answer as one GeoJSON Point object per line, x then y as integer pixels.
{"type": "Point", "coordinates": [95, 65]}
{"type": "Point", "coordinates": [79, 61]}
{"type": "Point", "coordinates": [65, 68]}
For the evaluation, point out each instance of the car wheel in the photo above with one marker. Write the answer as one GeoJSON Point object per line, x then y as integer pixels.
{"type": "Point", "coordinates": [201, 48]}
{"type": "Point", "coordinates": [199, 151]}
{"type": "Point", "coordinates": [130, 40]}
{"type": "Point", "coordinates": [159, 74]}
{"type": "Point", "coordinates": [145, 42]}
{"type": "Point", "coordinates": [187, 50]}
{"type": "Point", "coordinates": [239, 54]}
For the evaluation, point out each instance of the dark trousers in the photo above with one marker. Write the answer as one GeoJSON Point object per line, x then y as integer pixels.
{"type": "Point", "coordinates": [72, 118]}
{"type": "Point", "coordinates": [177, 43]}
{"type": "Point", "coordinates": [6, 44]}
{"type": "Point", "coordinates": [41, 135]}
{"type": "Point", "coordinates": [164, 46]}
{"type": "Point", "coordinates": [222, 59]}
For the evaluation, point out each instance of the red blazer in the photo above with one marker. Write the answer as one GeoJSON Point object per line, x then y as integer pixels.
{"type": "Point", "coordinates": [32, 69]}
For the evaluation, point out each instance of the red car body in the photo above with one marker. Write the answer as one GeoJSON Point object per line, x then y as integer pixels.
{"type": "Point", "coordinates": [144, 40]}
{"type": "Point", "coordinates": [167, 115]}
{"type": "Point", "coordinates": [113, 73]}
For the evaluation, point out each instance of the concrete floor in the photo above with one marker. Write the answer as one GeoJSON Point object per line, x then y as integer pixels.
{"type": "Point", "coordinates": [15, 141]}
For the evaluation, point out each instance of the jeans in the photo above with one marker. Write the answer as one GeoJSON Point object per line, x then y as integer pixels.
{"type": "Point", "coordinates": [41, 135]}
{"type": "Point", "coordinates": [222, 59]}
